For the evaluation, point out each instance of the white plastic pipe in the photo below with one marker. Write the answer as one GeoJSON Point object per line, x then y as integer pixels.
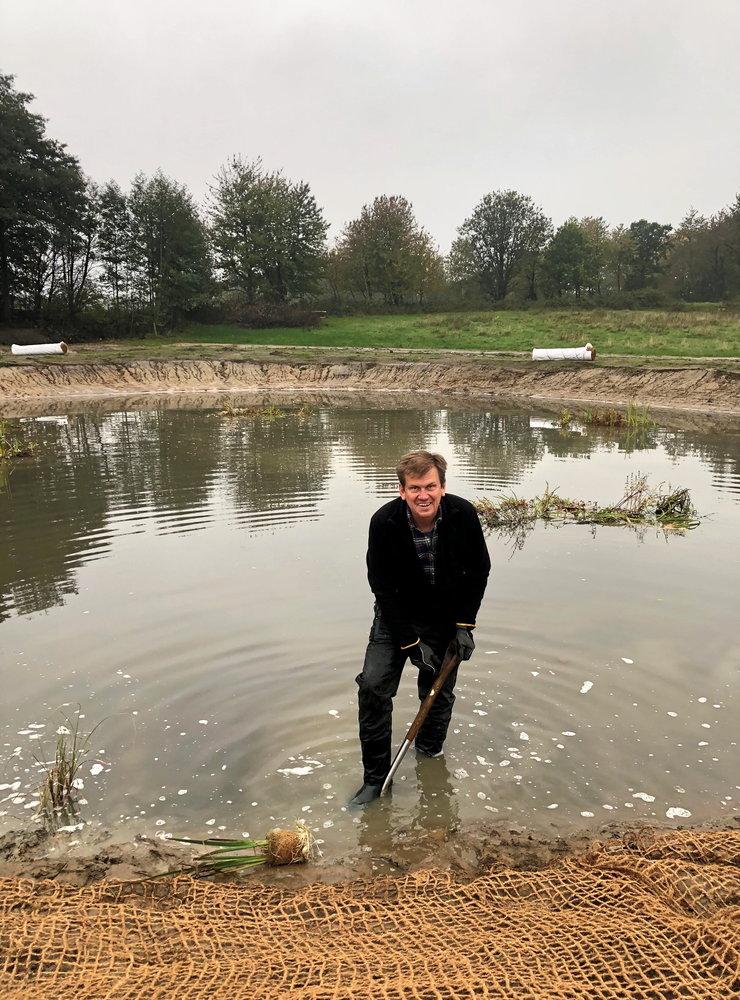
{"type": "Point", "coordinates": [586, 353]}
{"type": "Point", "coordinates": [39, 348]}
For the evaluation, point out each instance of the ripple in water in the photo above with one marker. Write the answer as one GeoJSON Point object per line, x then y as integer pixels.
{"type": "Point", "coordinates": [200, 586]}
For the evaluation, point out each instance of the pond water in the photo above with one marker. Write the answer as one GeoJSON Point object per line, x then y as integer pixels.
{"type": "Point", "coordinates": [196, 585]}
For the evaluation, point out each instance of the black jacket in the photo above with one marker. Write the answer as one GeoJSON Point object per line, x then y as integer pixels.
{"type": "Point", "coordinates": [397, 577]}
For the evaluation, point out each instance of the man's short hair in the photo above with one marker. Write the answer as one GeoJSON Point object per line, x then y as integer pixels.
{"type": "Point", "coordinates": [418, 463]}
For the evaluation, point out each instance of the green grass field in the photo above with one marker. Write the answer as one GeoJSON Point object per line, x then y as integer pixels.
{"type": "Point", "coordinates": [695, 333]}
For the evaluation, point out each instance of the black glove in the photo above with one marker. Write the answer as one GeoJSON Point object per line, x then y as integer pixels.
{"type": "Point", "coordinates": [424, 658]}
{"type": "Point", "coordinates": [463, 643]}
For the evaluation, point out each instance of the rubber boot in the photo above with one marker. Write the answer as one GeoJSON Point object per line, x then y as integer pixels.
{"type": "Point", "coordinates": [366, 794]}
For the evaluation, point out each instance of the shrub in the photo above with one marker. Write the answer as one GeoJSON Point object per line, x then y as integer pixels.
{"type": "Point", "coordinates": [268, 315]}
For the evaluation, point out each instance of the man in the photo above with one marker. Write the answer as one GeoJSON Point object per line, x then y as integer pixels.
{"type": "Point", "coordinates": [428, 566]}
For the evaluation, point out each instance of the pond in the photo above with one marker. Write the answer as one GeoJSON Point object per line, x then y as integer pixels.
{"type": "Point", "coordinates": [194, 584]}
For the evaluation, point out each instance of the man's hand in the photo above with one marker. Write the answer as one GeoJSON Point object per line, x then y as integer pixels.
{"type": "Point", "coordinates": [423, 657]}
{"type": "Point", "coordinates": [464, 643]}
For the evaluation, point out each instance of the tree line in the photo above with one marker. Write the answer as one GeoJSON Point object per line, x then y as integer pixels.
{"type": "Point", "coordinates": [99, 260]}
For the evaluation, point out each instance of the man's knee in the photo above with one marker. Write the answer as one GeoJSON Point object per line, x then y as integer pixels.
{"type": "Point", "coordinates": [381, 671]}
{"type": "Point", "coordinates": [374, 686]}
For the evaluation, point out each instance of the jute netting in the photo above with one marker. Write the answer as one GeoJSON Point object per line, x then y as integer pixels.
{"type": "Point", "coordinates": [649, 916]}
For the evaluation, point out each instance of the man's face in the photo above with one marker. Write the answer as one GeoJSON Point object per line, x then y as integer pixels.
{"type": "Point", "coordinates": [423, 495]}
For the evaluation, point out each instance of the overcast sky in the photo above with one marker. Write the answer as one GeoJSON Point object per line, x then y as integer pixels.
{"type": "Point", "coordinates": [624, 109]}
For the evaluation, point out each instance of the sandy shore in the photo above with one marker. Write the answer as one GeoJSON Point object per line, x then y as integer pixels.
{"type": "Point", "coordinates": [688, 386]}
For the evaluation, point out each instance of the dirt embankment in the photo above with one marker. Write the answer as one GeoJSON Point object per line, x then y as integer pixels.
{"type": "Point", "coordinates": [681, 386]}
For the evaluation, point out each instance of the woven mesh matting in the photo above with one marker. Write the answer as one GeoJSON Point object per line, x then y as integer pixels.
{"type": "Point", "coordinates": [648, 917]}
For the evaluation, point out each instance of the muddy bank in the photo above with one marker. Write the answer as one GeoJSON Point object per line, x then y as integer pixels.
{"type": "Point", "coordinates": [677, 387]}
{"type": "Point", "coordinates": [465, 852]}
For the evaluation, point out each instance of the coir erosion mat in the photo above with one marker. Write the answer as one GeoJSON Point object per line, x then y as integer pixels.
{"type": "Point", "coordinates": [645, 917]}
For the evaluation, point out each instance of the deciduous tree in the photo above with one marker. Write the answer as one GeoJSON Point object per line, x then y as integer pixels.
{"type": "Point", "coordinates": [505, 230]}
{"type": "Point", "coordinates": [566, 259]}
{"type": "Point", "coordinates": [40, 186]}
{"type": "Point", "coordinates": [114, 242]}
{"type": "Point", "coordinates": [268, 233]}
{"type": "Point", "coordinates": [650, 245]}
{"type": "Point", "coordinates": [169, 249]}
{"type": "Point", "coordinates": [386, 254]}
{"type": "Point", "coordinates": [619, 251]}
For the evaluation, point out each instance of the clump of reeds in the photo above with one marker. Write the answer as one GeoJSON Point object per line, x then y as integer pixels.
{"type": "Point", "coordinates": [13, 447]}
{"type": "Point", "coordinates": [640, 505]}
{"type": "Point", "coordinates": [266, 412]}
{"type": "Point", "coordinates": [229, 410]}
{"type": "Point", "coordinates": [279, 847]}
{"type": "Point", "coordinates": [634, 418]}
{"type": "Point", "coordinates": [565, 419]}
{"type": "Point", "coordinates": [271, 412]}
{"type": "Point", "coordinates": [58, 789]}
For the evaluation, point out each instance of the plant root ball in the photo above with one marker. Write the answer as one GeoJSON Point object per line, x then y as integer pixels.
{"type": "Point", "coordinates": [288, 847]}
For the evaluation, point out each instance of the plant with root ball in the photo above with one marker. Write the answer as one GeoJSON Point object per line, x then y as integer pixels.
{"type": "Point", "coordinates": [279, 847]}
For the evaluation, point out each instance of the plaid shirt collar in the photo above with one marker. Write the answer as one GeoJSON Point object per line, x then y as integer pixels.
{"type": "Point", "coordinates": [426, 545]}
{"type": "Point", "coordinates": [412, 523]}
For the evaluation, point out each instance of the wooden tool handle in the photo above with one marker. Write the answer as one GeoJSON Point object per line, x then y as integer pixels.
{"type": "Point", "coordinates": [449, 663]}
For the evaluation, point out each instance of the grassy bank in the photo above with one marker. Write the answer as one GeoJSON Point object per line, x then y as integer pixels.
{"type": "Point", "coordinates": [695, 333]}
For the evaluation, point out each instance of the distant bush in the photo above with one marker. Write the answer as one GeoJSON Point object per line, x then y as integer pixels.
{"type": "Point", "coordinates": [93, 323]}
{"type": "Point", "coordinates": [268, 315]}
{"type": "Point", "coordinates": [644, 298]}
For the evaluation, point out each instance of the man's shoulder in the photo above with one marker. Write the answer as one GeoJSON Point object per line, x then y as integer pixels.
{"type": "Point", "coordinates": [453, 504]}
{"type": "Point", "coordinates": [390, 511]}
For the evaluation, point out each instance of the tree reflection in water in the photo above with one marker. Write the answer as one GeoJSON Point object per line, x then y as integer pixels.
{"type": "Point", "coordinates": [99, 475]}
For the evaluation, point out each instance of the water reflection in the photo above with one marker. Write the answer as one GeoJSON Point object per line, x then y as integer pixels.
{"type": "Point", "coordinates": [204, 587]}
{"type": "Point", "coordinates": [402, 837]}
{"type": "Point", "coordinates": [374, 440]}
{"type": "Point", "coordinates": [99, 476]}
{"type": "Point", "coordinates": [721, 453]}
{"type": "Point", "coordinates": [275, 468]}
{"type": "Point", "coordinates": [52, 516]}
{"type": "Point", "coordinates": [499, 448]}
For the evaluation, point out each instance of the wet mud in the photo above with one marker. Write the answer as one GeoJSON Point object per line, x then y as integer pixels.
{"type": "Point", "coordinates": [465, 852]}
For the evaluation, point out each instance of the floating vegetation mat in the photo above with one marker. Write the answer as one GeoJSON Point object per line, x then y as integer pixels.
{"type": "Point", "coordinates": [641, 506]}
{"type": "Point", "coordinates": [645, 916]}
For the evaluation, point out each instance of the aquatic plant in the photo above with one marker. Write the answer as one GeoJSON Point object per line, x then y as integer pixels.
{"type": "Point", "coordinates": [59, 787]}
{"type": "Point", "coordinates": [279, 847]}
{"type": "Point", "coordinates": [640, 506]}
{"type": "Point", "coordinates": [12, 447]}
{"type": "Point", "coordinates": [269, 412]}
{"type": "Point", "coordinates": [229, 410]}
{"type": "Point", "coordinates": [633, 418]}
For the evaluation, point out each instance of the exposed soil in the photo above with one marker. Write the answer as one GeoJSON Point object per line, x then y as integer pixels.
{"type": "Point", "coordinates": [686, 386]}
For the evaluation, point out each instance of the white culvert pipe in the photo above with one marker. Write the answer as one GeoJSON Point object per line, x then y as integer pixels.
{"type": "Point", "coordinates": [586, 353]}
{"type": "Point", "coordinates": [39, 348]}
